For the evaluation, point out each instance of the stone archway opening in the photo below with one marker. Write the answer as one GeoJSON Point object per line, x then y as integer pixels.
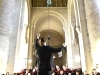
{"type": "Point", "coordinates": [55, 28]}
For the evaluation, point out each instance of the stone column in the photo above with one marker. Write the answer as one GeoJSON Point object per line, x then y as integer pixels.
{"type": "Point", "coordinates": [75, 48]}
{"type": "Point", "coordinates": [14, 44]}
{"type": "Point", "coordinates": [33, 48]}
{"type": "Point", "coordinates": [30, 50]}
{"type": "Point", "coordinates": [69, 43]}
{"type": "Point", "coordinates": [73, 33]}
{"type": "Point", "coordinates": [10, 16]}
{"type": "Point", "coordinates": [92, 8]}
{"type": "Point", "coordinates": [6, 11]}
{"type": "Point", "coordinates": [81, 27]}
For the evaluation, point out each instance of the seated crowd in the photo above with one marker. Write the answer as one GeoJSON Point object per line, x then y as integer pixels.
{"type": "Point", "coordinates": [57, 71]}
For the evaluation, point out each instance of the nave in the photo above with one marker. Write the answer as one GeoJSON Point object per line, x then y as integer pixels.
{"type": "Point", "coordinates": [75, 22]}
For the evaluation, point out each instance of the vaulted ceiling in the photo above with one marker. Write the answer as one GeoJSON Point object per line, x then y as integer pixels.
{"type": "Point", "coordinates": [43, 3]}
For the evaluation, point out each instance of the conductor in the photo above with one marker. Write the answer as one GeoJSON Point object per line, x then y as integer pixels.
{"type": "Point", "coordinates": [44, 55]}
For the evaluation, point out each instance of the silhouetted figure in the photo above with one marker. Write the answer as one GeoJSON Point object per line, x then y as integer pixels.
{"type": "Point", "coordinates": [44, 55]}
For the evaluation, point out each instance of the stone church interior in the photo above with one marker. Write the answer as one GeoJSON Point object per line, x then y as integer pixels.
{"type": "Point", "coordinates": [73, 22]}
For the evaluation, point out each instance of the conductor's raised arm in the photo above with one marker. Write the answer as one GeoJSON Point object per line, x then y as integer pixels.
{"type": "Point", "coordinates": [54, 50]}
{"type": "Point", "coordinates": [37, 41]}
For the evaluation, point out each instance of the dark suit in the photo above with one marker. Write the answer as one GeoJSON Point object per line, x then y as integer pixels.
{"type": "Point", "coordinates": [45, 59]}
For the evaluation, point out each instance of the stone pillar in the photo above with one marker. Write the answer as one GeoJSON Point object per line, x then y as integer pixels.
{"type": "Point", "coordinates": [80, 52]}
{"type": "Point", "coordinates": [69, 43]}
{"type": "Point", "coordinates": [30, 47]}
{"type": "Point", "coordinates": [73, 33]}
{"type": "Point", "coordinates": [81, 28]}
{"type": "Point", "coordinates": [6, 11]}
{"type": "Point", "coordinates": [33, 48]}
{"type": "Point", "coordinates": [75, 48]}
{"type": "Point", "coordinates": [9, 22]}
{"type": "Point", "coordinates": [92, 9]}
{"type": "Point", "coordinates": [14, 45]}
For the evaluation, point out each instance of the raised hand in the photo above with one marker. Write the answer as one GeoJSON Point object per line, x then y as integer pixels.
{"type": "Point", "coordinates": [38, 35]}
{"type": "Point", "coordinates": [64, 45]}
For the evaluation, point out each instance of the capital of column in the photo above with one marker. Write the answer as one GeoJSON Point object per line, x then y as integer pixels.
{"type": "Point", "coordinates": [32, 25]}
{"type": "Point", "coordinates": [73, 25]}
{"type": "Point", "coordinates": [25, 25]}
{"type": "Point", "coordinates": [78, 29]}
{"type": "Point", "coordinates": [64, 28]}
